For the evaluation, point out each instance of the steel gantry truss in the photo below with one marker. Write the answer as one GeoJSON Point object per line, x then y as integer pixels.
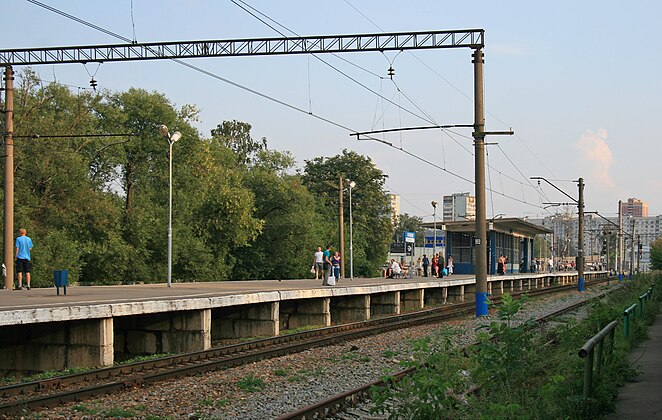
{"type": "Point", "coordinates": [400, 41]}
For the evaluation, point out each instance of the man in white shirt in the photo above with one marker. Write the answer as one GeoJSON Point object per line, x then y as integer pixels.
{"type": "Point", "coordinates": [318, 262]}
{"type": "Point", "coordinates": [395, 269]}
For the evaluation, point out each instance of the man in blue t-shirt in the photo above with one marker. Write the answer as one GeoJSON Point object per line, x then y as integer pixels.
{"type": "Point", "coordinates": [326, 265]}
{"type": "Point", "coordinates": [23, 248]}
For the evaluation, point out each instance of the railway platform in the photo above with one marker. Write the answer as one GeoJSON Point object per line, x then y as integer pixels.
{"type": "Point", "coordinates": [642, 399]}
{"type": "Point", "coordinates": [96, 325]}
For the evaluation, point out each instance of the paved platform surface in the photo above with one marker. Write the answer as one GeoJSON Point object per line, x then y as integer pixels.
{"type": "Point", "coordinates": [642, 399]}
{"type": "Point", "coordinates": [12, 300]}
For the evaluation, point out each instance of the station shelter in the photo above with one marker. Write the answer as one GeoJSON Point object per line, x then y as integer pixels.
{"type": "Point", "coordinates": [512, 237]}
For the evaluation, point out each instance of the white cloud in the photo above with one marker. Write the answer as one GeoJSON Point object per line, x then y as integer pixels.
{"type": "Point", "coordinates": [597, 156]}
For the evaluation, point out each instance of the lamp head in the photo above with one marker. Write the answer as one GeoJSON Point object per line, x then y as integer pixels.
{"type": "Point", "coordinates": [434, 204]}
{"type": "Point", "coordinates": [175, 136]}
{"type": "Point", "coordinates": [163, 131]}
{"type": "Point", "coordinates": [352, 184]}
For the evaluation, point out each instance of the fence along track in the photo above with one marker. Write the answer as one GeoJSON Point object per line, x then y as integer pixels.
{"type": "Point", "coordinates": [352, 398]}
{"type": "Point", "coordinates": [170, 367]}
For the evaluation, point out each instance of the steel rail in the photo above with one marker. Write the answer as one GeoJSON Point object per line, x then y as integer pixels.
{"type": "Point", "coordinates": [226, 356]}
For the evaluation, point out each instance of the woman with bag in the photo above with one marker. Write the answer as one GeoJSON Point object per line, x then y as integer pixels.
{"type": "Point", "coordinates": [335, 262]}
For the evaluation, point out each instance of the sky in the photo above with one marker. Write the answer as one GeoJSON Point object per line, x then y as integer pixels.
{"type": "Point", "coordinates": [578, 83]}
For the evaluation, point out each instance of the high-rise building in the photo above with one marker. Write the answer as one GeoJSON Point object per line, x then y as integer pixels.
{"type": "Point", "coordinates": [459, 206]}
{"type": "Point", "coordinates": [395, 208]}
{"type": "Point", "coordinates": [634, 207]}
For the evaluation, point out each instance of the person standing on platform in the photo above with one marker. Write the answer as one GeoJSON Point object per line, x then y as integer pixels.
{"type": "Point", "coordinates": [23, 249]}
{"type": "Point", "coordinates": [426, 264]}
{"type": "Point", "coordinates": [335, 262]}
{"type": "Point", "coordinates": [318, 262]}
{"type": "Point", "coordinates": [326, 265]}
{"type": "Point", "coordinates": [450, 265]}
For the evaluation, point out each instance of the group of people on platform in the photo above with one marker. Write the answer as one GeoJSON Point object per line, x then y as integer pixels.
{"type": "Point", "coordinates": [435, 267]}
{"type": "Point", "coordinates": [326, 266]}
{"type": "Point", "coordinates": [424, 267]}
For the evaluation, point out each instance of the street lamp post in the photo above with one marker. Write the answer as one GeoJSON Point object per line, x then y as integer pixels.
{"type": "Point", "coordinates": [351, 184]}
{"type": "Point", "coordinates": [172, 138]}
{"type": "Point", "coordinates": [434, 228]}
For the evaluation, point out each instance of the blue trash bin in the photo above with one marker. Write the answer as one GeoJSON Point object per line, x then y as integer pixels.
{"type": "Point", "coordinates": [61, 279]}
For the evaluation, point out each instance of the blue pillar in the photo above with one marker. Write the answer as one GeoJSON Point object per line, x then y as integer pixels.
{"type": "Point", "coordinates": [580, 284]}
{"type": "Point", "coordinates": [481, 304]}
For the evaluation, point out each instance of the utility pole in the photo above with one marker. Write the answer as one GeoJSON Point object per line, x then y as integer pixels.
{"type": "Point", "coordinates": [580, 238]}
{"type": "Point", "coordinates": [607, 254]}
{"type": "Point", "coordinates": [632, 251]}
{"type": "Point", "coordinates": [9, 179]}
{"type": "Point", "coordinates": [480, 241]}
{"type": "Point", "coordinates": [620, 241]}
{"type": "Point", "coordinates": [638, 251]}
{"type": "Point", "coordinates": [342, 229]}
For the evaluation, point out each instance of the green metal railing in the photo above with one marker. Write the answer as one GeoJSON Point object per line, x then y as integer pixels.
{"type": "Point", "coordinates": [629, 312]}
{"type": "Point", "coordinates": [596, 343]}
{"type": "Point", "coordinates": [587, 352]}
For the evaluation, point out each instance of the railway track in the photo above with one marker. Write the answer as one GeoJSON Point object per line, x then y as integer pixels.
{"type": "Point", "coordinates": [80, 386]}
{"type": "Point", "coordinates": [338, 403]}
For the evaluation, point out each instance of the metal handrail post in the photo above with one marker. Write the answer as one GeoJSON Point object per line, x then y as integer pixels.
{"type": "Point", "coordinates": [598, 367]}
{"type": "Point", "coordinates": [588, 374]}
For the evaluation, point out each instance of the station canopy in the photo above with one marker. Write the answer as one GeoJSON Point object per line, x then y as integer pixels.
{"type": "Point", "coordinates": [511, 225]}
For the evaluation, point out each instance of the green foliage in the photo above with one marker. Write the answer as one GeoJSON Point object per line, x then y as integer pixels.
{"type": "Point", "coordinates": [407, 223]}
{"type": "Point", "coordinates": [98, 206]}
{"type": "Point", "coordinates": [504, 348]}
{"type": "Point", "coordinates": [287, 211]}
{"type": "Point", "coordinates": [656, 254]}
{"type": "Point", "coordinates": [236, 136]}
{"type": "Point", "coordinates": [372, 227]}
{"type": "Point", "coordinates": [251, 384]}
{"type": "Point", "coordinates": [515, 372]}
{"type": "Point", "coordinates": [438, 388]}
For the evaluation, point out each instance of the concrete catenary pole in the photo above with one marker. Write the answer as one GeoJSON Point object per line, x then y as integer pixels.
{"type": "Point", "coordinates": [9, 178]}
{"type": "Point", "coordinates": [632, 250]}
{"type": "Point", "coordinates": [342, 228]}
{"type": "Point", "coordinates": [580, 238]}
{"type": "Point", "coordinates": [480, 241]}
{"type": "Point", "coordinates": [620, 241]}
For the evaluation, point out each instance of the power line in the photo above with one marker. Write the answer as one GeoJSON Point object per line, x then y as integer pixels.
{"type": "Point", "coordinates": [434, 71]}
{"type": "Point", "coordinates": [288, 105]}
{"type": "Point", "coordinates": [422, 159]}
{"type": "Point", "coordinates": [241, 6]}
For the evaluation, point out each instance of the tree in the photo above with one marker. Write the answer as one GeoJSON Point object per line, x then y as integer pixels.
{"type": "Point", "coordinates": [65, 209]}
{"type": "Point", "coordinates": [407, 223]}
{"type": "Point", "coordinates": [372, 227]}
{"type": "Point", "coordinates": [236, 136]}
{"type": "Point", "coordinates": [656, 254]}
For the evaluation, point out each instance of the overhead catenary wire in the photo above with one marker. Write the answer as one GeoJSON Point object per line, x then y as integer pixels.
{"type": "Point", "coordinates": [460, 91]}
{"type": "Point", "coordinates": [463, 178]}
{"type": "Point", "coordinates": [244, 6]}
{"type": "Point", "coordinates": [288, 105]}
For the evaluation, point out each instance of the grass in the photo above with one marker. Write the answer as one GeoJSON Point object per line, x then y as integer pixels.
{"type": "Point", "coordinates": [82, 408]}
{"type": "Point", "coordinates": [251, 384]}
{"type": "Point", "coordinates": [301, 329]}
{"type": "Point", "coordinates": [510, 359]}
{"type": "Point", "coordinates": [144, 358]}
